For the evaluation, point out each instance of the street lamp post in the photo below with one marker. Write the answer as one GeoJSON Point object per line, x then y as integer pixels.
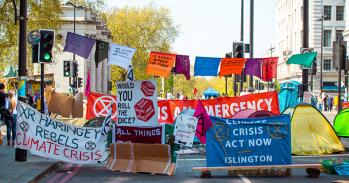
{"type": "Point", "coordinates": [322, 49]}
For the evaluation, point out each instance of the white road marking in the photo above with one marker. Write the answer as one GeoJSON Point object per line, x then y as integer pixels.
{"type": "Point", "coordinates": [244, 179]}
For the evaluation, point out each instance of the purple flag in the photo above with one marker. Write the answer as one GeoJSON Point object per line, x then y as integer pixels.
{"type": "Point", "coordinates": [183, 65]}
{"type": "Point", "coordinates": [204, 122]}
{"type": "Point", "coordinates": [79, 45]}
{"type": "Point", "coordinates": [253, 67]}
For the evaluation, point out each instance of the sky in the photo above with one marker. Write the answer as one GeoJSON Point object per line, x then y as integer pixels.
{"type": "Point", "coordinates": [209, 27]}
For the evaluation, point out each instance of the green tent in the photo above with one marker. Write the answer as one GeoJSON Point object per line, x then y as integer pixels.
{"type": "Point", "coordinates": [305, 59]}
{"type": "Point", "coordinates": [341, 123]}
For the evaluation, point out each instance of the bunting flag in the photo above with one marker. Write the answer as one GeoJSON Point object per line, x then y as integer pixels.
{"type": "Point", "coordinates": [253, 67]}
{"type": "Point", "coordinates": [160, 64]}
{"type": "Point", "coordinates": [269, 68]}
{"type": "Point", "coordinates": [79, 45]}
{"type": "Point", "coordinates": [101, 52]}
{"type": "Point", "coordinates": [120, 55]}
{"type": "Point", "coordinates": [231, 66]}
{"type": "Point", "coordinates": [206, 66]}
{"type": "Point", "coordinates": [88, 84]}
{"type": "Point", "coordinates": [183, 65]}
{"type": "Point", "coordinates": [204, 122]}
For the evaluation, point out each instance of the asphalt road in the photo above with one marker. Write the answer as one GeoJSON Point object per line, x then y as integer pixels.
{"type": "Point", "coordinates": [99, 173]}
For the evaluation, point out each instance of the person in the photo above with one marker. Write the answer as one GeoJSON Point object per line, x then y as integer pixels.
{"type": "Point", "coordinates": [330, 103]}
{"type": "Point", "coordinates": [335, 102]}
{"type": "Point", "coordinates": [13, 112]}
{"type": "Point", "coordinates": [324, 100]}
{"type": "Point", "coordinates": [4, 112]}
{"type": "Point", "coordinates": [319, 102]}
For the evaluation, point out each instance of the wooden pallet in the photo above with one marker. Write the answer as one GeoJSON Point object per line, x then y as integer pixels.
{"type": "Point", "coordinates": [313, 170]}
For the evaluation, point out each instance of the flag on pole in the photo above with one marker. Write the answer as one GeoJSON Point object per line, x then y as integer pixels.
{"type": "Point", "coordinates": [101, 52]}
{"type": "Point", "coordinates": [88, 84]}
{"type": "Point", "coordinates": [204, 122]}
{"type": "Point", "coordinates": [80, 45]}
{"type": "Point", "coordinates": [183, 65]}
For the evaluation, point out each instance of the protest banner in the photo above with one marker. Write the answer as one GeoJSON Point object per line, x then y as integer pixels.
{"type": "Point", "coordinates": [137, 103]}
{"type": "Point", "coordinates": [136, 157]}
{"type": "Point", "coordinates": [146, 135]}
{"type": "Point", "coordinates": [185, 129]}
{"type": "Point", "coordinates": [224, 107]}
{"type": "Point", "coordinates": [231, 66]}
{"type": "Point", "coordinates": [120, 55]}
{"type": "Point", "coordinates": [249, 142]}
{"type": "Point", "coordinates": [52, 139]}
{"type": "Point", "coordinates": [98, 105]}
{"type": "Point", "coordinates": [160, 64]}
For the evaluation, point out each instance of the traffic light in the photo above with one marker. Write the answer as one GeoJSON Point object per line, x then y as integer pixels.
{"type": "Point", "coordinates": [74, 71]}
{"type": "Point", "coordinates": [46, 45]}
{"type": "Point", "coordinates": [66, 68]}
{"type": "Point", "coordinates": [79, 82]}
{"type": "Point", "coordinates": [342, 55]}
{"type": "Point", "coordinates": [238, 50]}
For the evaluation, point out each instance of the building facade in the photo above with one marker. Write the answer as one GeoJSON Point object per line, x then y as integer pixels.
{"type": "Point", "coordinates": [87, 24]}
{"type": "Point", "coordinates": [289, 40]}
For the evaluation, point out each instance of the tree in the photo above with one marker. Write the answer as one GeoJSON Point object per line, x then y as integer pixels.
{"type": "Point", "coordinates": [44, 14]}
{"type": "Point", "coordinates": [146, 29]}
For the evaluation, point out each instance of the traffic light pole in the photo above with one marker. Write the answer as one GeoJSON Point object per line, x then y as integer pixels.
{"type": "Point", "coordinates": [305, 42]}
{"type": "Point", "coordinates": [250, 83]}
{"type": "Point", "coordinates": [242, 40]}
{"type": "Point", "coordinates": [42, 88]}
{"type": "Point", "coordinates": [21, 154]}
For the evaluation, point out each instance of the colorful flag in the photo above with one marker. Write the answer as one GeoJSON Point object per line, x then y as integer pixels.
{"type": "Point", "coordinates": [269, 68]}
{"type": "Point", "coordinates": [206, 66]}
{"type": "Point", "coordinates": [231, 66]}
{"type": "Point", "coordinates": [204, 122]}
{"type": "Point", "coordinates": [183, 65]}
{"type": "Point", "coordinates": [120, 55]}
{"type": "Point", "coordinates": [88, 84]}
{"type": "Point", "coordinates": [98, 105]}
{"type": "Point", "coordinates": [160, 64]}
{"type": "Point", "coordinates": [253, 67]}
{"type": "Point", "coordinates": [195, 91]}
{"type": "Point", "coordinates": [80, 45]}
{"type": "Point", "coordinates": [101, 51]}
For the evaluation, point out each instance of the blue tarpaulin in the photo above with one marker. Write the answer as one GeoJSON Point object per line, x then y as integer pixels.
{"type": "Point", "coordinates": [249, 142]}
{"type": "Point", "coordinates": [206, 66]}
{"type": "Point", "coordinates": [210, 92]}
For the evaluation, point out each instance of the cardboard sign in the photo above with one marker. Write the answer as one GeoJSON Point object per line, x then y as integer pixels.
{"type": "Point", "coordinates": [160, 64]}
{"type": "Point", "coordinates": [152, 158]}
{"type": "Point", "coordinates": [137, 103]}
{"type": "Point", "coordinates": [224, 107]}
{"type": "Point", "coordinates": [146, 135]}
{"type": "Point", "coordinates": [52, 139]}
{"type": "Point", "coordinates": [98, 105]}
{"type": "Point", "coordinates": [120, 55]}
{"type": "Point", "coordinates": [249, 142]}
{"type": "Point", "coordinates": [185, 129]}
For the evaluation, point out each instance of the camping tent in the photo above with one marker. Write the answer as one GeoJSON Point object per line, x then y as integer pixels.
{"type": "Point", "coordinates": [261, 113]}
{"type": "Point", "coordinates": [288, 111]}
{"type": "Point", "coordinates": [210, 92]}
{"type": "Point", "coordinates": [288, 95]}
{"type": "Point", "coordinates": [341, 123]}
{"type": "Point", "coordinates": [311, 133]}
{"type": "Point", "coordinates": [243, 113]}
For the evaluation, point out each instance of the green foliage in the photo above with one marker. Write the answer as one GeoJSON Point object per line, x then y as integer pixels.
{"type": "Point", "coordinates": [146, 29]}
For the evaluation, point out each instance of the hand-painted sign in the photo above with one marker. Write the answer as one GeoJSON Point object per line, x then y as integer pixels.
{"type": "Point", "coordinates": [146, 135]}
{"type": "Point", "coordinates": [185, 129]}
{"type": "Point", "coordinates": [249, 142]}
{"type": "Point", "coordinates": [98, 105]}
{"type": "Point", "coordinates": [137, 103]}
{"type": "Point", "coordinates": [46, 137]}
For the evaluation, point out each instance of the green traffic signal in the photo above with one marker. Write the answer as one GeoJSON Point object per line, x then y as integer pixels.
{"type": "Point", "coordinates": [47, 56]}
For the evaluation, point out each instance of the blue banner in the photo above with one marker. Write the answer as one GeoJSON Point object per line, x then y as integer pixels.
{"type": "Point", "coordinates": [249, 142]}
{"type": "Point", "coordinates": [206, 66]}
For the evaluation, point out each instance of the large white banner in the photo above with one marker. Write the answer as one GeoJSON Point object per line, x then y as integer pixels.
{"type": "Point", "coordinates": [185, 129]}
{"type": "Point", "coordinates": [49, 138]}
{"type": "Point", "coordinates": [120, 55]}
{"type": "Point", "coordinates": [137, 103]}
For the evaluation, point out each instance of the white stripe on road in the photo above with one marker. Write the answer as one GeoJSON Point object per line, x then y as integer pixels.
{"type": "Point", "coordinates": [244, 179]}
{"type": "Point", "coordinates": [321, 156]}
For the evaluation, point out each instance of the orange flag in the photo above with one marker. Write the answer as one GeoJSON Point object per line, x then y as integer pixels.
{"type": "Point", "coordinates": [160, 64]}
{"type": "Point", "coordinates": [231, 66]}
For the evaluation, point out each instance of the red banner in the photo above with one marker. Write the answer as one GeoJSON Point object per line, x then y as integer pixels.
{"type": "Point", "coordinates": [98, 105]}
{"type": "Point", "coordinates": [224, 107]}
{"type": "Point", "coordinates": [145, 135]}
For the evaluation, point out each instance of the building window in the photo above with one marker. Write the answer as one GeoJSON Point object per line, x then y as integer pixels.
{"type": "Point", "coordinates": [327, 38]}
{"type": "Point", "coordinates": [339, 35]}
{"type": "Point", "coordinates": [327, 12]}
{"type": "Point", "coordinates": [327, 64]}
{"type": "Point", "coordinates": [340, 13]}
